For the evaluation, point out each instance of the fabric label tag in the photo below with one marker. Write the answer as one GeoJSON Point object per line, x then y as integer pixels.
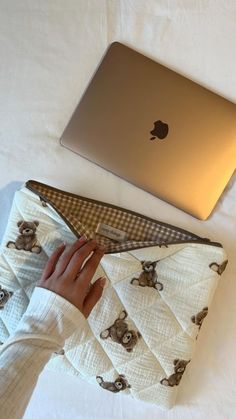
{"type": "Point", "coordinates": [111, 232]}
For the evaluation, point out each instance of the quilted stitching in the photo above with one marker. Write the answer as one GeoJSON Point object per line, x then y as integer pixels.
{"type": "Point", "coordinates": [163, 318]}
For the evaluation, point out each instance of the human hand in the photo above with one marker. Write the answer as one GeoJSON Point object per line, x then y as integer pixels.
{"type": "Point", "coordinates": [64, 276]}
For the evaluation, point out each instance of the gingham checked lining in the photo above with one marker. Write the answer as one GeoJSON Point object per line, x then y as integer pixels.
{"type": "Point", "coordinates": [83, 215]}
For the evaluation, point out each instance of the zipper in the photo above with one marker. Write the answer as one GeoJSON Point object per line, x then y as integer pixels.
{"type": "Point", "coordinates": [30, 185]}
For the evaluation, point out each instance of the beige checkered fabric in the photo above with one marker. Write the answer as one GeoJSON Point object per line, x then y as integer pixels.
{"type": "Point", "coordinates": [84, 214]}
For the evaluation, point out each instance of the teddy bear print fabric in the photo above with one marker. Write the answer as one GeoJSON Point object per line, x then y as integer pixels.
{"type": "Point", "coordinates": [4, 296]}
{"type": "Point", "coordinates": [118, 385]}
{"type": "Point", "coordinates": [148, 276]}
{"type": "Point", "coordinates": [219, 268]}
{"type": "Point", "coordinates": [174, 379]}
{"type": "Point", "coordinates": [199, 317]}
{"type": "Point", "coordinates": [120, 333]}
{"type": "Point", "coordinates": [26, 239]}
{"type": "Point", "coordinates": [140, 337]}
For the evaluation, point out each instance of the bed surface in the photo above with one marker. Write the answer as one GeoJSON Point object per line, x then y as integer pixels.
{"type": "Point", "coordinates": [49, 50]}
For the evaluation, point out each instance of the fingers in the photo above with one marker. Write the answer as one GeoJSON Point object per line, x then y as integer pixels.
{"type": "Point", "coordinates": [90, 266]}
{"type": "Point", "coordinates": [69, 252]}
{"type": "Point", "coordinates": [52, 261]}
{"type": "Point", "coordinates": [78, 258]}
{"type": "Point", "coordinates": [69, 261]}
{"type": "Point", "coordinates": [93, 296]}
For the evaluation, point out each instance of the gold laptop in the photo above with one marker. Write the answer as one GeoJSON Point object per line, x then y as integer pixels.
{"type": "Point", "coordinates": [156, 129]}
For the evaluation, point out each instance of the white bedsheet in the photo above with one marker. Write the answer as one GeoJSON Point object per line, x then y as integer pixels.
{"type": "Point", "coordinates": [49, 50]}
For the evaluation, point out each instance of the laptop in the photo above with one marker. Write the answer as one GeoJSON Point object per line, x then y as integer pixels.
{"type": "Point", "coordinates": [157, 129]}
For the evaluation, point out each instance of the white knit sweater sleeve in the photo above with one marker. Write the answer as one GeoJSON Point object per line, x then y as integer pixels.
{"type": "Point", "coordinates": [47, 322]}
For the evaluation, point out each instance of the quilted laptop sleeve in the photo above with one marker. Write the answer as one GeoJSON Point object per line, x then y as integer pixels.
{"type": "Point", "coordinates": [140, 337]}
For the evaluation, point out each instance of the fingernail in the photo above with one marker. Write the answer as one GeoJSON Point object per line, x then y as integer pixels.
{"type": "Point", "coordinates": [82, 238]}
{"type": "Point", "coordinates": [102, 282]}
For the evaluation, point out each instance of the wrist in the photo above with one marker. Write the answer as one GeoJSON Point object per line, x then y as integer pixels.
{"type": "Point", "coordinates": [49, 318]}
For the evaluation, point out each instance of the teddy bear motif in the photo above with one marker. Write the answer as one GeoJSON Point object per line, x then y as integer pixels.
{"type": "Point", "coordinates": [148, 277]}
{"type": "Point", "coordinates": [218, 268]}
{"type": "Point", "coordinates": [199, 317]}
{"type": "Point", "coordinates": [4, 296]}
{"type": "Point", "coordinates": [27, 239]}
{"type": "Point", "coordinates": [120, 333]}
{"type": "Point", "coordinates": [174, 379]}
{"type": "Point", "coordinates": [119, 384]}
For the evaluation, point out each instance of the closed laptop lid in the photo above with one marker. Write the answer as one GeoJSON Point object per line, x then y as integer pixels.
{"type": "Point", "coordinates": [156, 129]}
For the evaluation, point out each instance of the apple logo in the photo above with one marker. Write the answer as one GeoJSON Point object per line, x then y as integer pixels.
{"type": "Point", "coordinates": [160, 130]}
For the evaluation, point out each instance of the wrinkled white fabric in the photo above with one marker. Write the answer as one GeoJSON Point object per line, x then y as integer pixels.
{"type": "Point", "coordinates": [49, 51]}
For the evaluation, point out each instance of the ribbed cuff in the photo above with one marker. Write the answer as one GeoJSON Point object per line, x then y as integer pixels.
{"type": "Point", "coordinates": [56, 310]}
{"type": "Point", "coordinates": [49, 318]}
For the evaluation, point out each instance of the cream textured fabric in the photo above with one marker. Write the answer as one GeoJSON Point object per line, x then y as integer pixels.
{"type": "Point", "coordinates": [167, 319]}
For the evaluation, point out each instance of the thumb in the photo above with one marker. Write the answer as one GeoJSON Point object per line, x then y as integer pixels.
{"type": "Point", "coordinates": [93, 296]}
